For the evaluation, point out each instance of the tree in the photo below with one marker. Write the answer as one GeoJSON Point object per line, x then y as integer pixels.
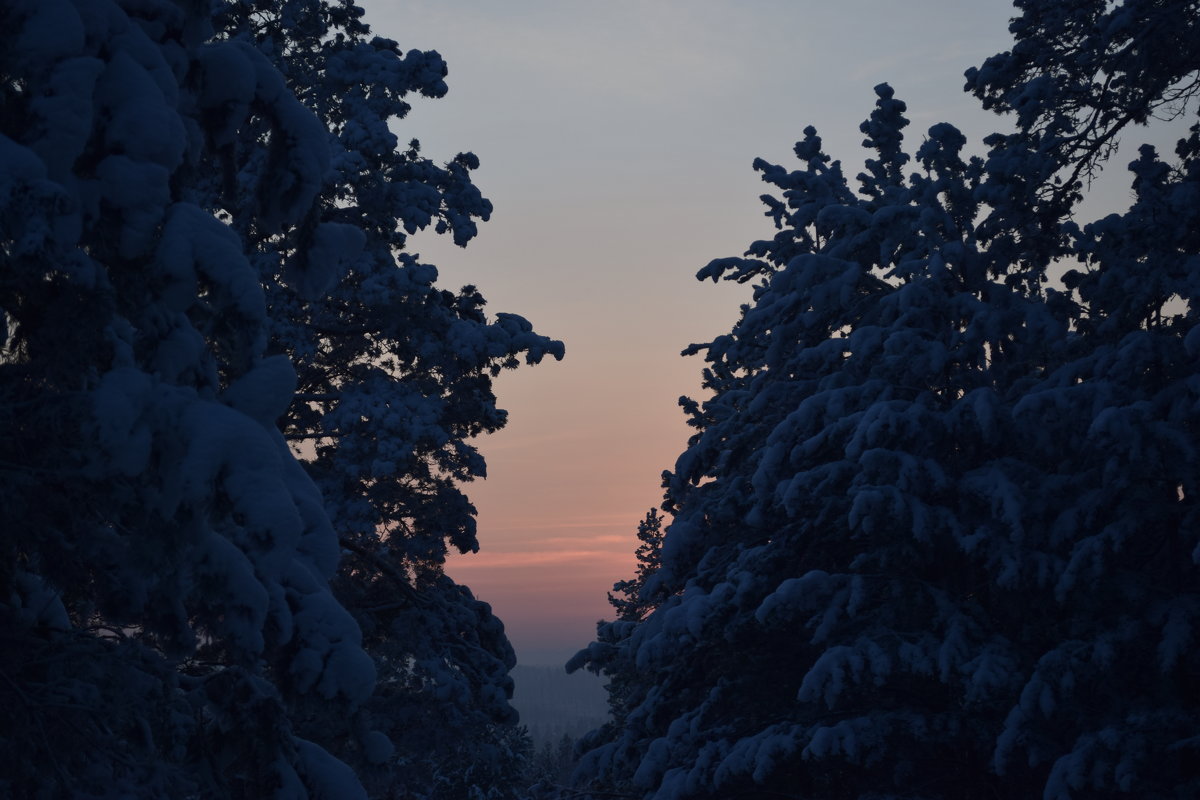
{"type": "Point", "coordinates": [550, 769]}
{"type": "Point", "coordinates": [1080, 73]}
{"type": "Point", "coordinates": [163, 551]}
{"type": "Point", "coordinates": [610, 654]}
{"type": "Point", "coordinates": [395, 379]}
{"type": "Point", "coordinates": [934, 536]}
{"type": "Point", "coordinates": [629, 600]}
{"type": "Point", "coordinates": [1120, 401]}
{"type": "Point", "coordinates": [202, 213]}
{"type": "Point", "coordinates": [815, 512]}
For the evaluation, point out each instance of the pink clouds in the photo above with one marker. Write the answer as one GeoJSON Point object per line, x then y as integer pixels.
{"type": "Point", "coordinates": [548, 587]}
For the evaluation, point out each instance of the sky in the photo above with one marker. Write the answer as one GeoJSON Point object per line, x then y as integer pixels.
{"type": "Point", "coordinates": [616, 141]}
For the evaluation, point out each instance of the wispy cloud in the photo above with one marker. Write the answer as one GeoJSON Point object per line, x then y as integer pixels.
{"type": "Point", "coordinates": [535, 559]}
{"type": "Point", "coordinates": [618, 539]}
{"type": "Point", "coordinates": [539, 525]}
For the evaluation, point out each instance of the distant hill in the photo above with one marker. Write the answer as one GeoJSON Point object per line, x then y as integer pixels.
{"type": "Point", "coordinates": [553, 703]}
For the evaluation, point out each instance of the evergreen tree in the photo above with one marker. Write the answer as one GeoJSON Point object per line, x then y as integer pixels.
{"type": "Point", "coordinates": [935, 535]}
{"type": "Point", "coordinates": [199, 215]}
{"type": "Point", "coordinates": [1080, 73]}
{"type": "Point", "coordinates": [1116, 413]}
{"type": "Point", "coordinates": [610, 654]}
{"type": "Point", "coordinates": [165, 581]}
{"type": "Point", "coordinates": [817, 512]}
{"type": "Point", "coordinates": [550, 769]}
{"type": "Point", "coordinates": [627, 596]}
{"type": "Point", "coordinates": [395, 379]}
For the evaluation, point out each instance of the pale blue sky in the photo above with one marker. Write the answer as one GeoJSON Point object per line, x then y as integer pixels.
{"type": "Point", "coordinates": [616, 140]}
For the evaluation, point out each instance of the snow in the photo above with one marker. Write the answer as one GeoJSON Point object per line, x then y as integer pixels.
{"type": "Point", "coordinates": [50, 31]}
{"type": "Point", "coordinates": [121, 429]}
{"type": "Point", "coordinates": [194, 245]}
{"type": "Point", "coordinates": [334, 249]}
{"type": "Point", "coordinates": [65, 112]}
{"type": "Point", "coordinates": [325, 777]}
{"type": "Point", "coordinates": [38, 604]}
{"type": "Point", "coordinates": [243, 599]}
{"type": "Point", "coordinates": [334, 664]}
{"type": "Point", "coordinates": [141, 123]}
{"type": "Point", "coordinates": [227, 79]}
{"type": "Point", "coordinates": [264, 392]}
{"type": "Point", "coordinates": [377, 747]}
{"type": "Point", "coordinates": [140, 191]}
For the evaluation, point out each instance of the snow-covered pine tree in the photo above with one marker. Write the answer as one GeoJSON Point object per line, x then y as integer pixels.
{"type": "Point", "coordinates": [819, 606]}
{"type": "Point", "coordinates": [165, 578]}
{"type": "Point", "coordinates": [610, 654]}
{"type": "Point", "coordinates": [1108, 709]}
{"type": "Point", "coordinates": [628, 597]}
{"type": "Point", "coordinates": [395, 380]}
{"type": "Point", "coordinates": [937, 534]}
{"type": "Point", "coordinates": [1080, 73]}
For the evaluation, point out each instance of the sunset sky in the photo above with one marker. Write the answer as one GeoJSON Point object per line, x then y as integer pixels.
{"type": "Point", "coordinates": [616, 139]}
